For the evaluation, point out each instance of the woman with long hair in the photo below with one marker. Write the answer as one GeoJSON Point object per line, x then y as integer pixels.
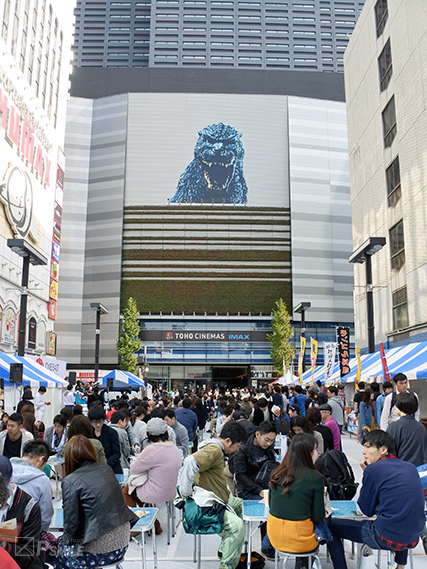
{"type": "Point", "coordinates": [367, 411]}
{"type": "Point", "coordinates": [80, 425]}
{"type": "Point", "coordinates": [300, 425]}
{"type": "Point", "coordinates": [95, 514]}
{"type": "Point", "coordinates": [296, 498]}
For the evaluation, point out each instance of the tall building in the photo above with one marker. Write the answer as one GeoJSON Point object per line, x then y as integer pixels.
{"type": "Point", "coordinates": [291, 34]}
{"type": "Point", "coordinates": [206, 194]}
{"type": "Point", "coordinates": [35, 49]}
{"type": "Point", "coordinates": [385, 90]}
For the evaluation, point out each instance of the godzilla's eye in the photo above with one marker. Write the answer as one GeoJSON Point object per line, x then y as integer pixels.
{"type": "Point", "coordinates": [209, 139]}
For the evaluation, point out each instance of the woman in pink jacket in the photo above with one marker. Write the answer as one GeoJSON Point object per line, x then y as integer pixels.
{"type": "Point", "coordinates": [160, 461]}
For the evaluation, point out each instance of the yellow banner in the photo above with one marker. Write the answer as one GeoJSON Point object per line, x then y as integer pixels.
{"type": "Point", "coordinates": [359, 368]}
{"type": "Point", "coordinates": [313, 358]}
{"type": "Point", "coordinates": [301, 358]}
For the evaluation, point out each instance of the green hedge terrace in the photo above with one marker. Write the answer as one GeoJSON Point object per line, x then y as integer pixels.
{"type": "Point", "coordinates": [206, 296]}
{"type": "Point", "coordinates": [204, 255]}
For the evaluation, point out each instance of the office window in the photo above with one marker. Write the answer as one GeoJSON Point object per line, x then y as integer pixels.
{"type": "Point", "coordinates": [384, 66]}
{"type": "Point", "coordinates": [6, 13]}
{"type": "Point", "coordinates": [15, 29]}
{"type": "Point", "coordinates": [389, 123]}
{"type": "Point", "coordinates": [381, 15]}
{"type": "Point", "coordinates": [400, 308]}
{"type": "Point", "coordinates": [393, 183]}
{"type": "Point", "coordinates": [397, 246]}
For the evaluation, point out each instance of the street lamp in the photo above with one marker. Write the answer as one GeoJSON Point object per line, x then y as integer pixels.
{"type": "Point", "coordinates": [143, 363]}
{"type": "Point", "coordinates": [300, 309]}
{"type": "Point", "coordinates": [29, 255]}
{"type": "Point", "coordinates": [362, 254]}
{"type": "Point", "coordinates": [100, 309]}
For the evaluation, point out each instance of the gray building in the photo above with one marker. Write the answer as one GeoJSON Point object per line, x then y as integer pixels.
{"type": "Point", "coordinates": [385, 90]}
{"type": "Point", "coordinates": [292, 34]}
{"type": "Point", "coordinates": [205, 275]}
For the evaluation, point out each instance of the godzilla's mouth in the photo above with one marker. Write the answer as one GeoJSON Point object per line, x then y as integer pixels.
{"type": "Point", "coordinates": [217, 174]}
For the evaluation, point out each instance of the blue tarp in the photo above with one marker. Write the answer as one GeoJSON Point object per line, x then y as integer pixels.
{"type": "Point", "coordinates": [34, 374]}
{"type": "Point", "coordinates": [124, 377]}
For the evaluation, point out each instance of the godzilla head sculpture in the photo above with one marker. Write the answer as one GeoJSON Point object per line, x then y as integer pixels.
{"type": "Point", "coordinates": [216, 173]}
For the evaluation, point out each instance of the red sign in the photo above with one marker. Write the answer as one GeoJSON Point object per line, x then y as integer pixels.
{"type": "Point", "coordinates": [384, 362]}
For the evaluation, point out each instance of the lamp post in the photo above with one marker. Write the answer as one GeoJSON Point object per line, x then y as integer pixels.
{"type": "Point", "coordinates": [144, 366]}
{"type": "Point", "coordinates": [300, 309]}
{"type": "Point", "coordinates": [100, 309]}
{"type": "Point", "coordinates": [363, 255]}
{"type": "Point", "coordinates": [29, 255]}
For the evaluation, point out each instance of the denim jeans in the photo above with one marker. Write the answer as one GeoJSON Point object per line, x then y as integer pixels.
{"type": "Point", "coordinates": [359, 531]}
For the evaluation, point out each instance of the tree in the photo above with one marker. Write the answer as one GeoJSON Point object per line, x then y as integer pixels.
{"type": "Point", "coordinates": [129, 342]}
{"type": "Point", "coordinates": [281, 350]}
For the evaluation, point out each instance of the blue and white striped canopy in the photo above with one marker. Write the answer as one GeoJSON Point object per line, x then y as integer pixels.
{"type": "Point", "coordinates": [124, 376]}
{"type": "Point", "coordinates": [34, 374]}
{"type": "Point", "coordinates": [410, 360]}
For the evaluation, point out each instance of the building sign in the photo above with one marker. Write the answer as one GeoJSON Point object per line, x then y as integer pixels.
{"type": "Point", "coordinates": [32, 329]}
{"type": "Point", "coordinates": [51, 343]}
{"type": "Point", "coordinates": [59, 367]}
{"type": "Point", "coordinates": [343, 338]}
{"type": "Point", "coordinates": [203, 336]}
{"type": "Point", "coordinates": [10, 327]}
{"type": "Point", "coordinates": [16, 193]}
{"type": "Point", "coordinates": [56, 238]}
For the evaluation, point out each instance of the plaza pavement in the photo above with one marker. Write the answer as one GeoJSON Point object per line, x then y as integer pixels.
{"type": "Point", "coordinates": [179, 554]}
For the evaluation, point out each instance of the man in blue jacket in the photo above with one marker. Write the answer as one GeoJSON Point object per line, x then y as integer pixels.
{"type": "Point", "coordinates": [392, 492]}
{"type": "Point", "coordinates": [188, 418]}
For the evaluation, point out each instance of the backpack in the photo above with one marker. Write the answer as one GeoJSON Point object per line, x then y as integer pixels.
{"type": "Point", "coordinates": [340, 482]}
{"type": "Point", "coordinates": [264, 475]}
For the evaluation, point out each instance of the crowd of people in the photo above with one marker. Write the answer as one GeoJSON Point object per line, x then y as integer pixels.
{"type": "Point", "coordinates": [157, 444]}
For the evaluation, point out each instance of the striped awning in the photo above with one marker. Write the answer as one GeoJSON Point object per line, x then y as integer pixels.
{"type": "Point", "coordinates": [410, 359]}
{"type": "Point", "coordinates": [34, 374]}
{"type": "Point", "coordinates": [124, 376]}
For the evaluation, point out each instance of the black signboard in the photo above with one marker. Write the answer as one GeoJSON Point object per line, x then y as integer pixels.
{"type": "Point", "coordinates": [343, 338]}
{"type": "Point", "coordinates": [58, 214]}
{"type": "Point", "coordinates": [32, 327]}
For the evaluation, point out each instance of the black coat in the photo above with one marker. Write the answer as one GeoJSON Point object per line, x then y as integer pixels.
{"type": "Point", "coordinates": [28, 516]}
{"type": "Point", "coordinates": [110, 441]}
{"type": "Point", "coordinates": [201, 415]}
{"type": "Point", "coordinates": [93, 503]}
{"type": "Point", "coordinates": [246, 467]}
{"type": "Point", "coordinates": [259, 416]}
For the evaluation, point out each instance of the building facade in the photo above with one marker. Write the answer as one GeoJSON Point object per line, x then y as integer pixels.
{"type": "Point", "coordinates": [35, 45]}
{"type": "Point", "coordinates": [385, 91]}
{"type": "Point", "coordinates": [206, 250]}
{"type": "Point", "coordinates": [291, 34]}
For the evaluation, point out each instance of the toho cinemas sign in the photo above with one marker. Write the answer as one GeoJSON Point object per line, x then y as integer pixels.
{"type": "Point", "coordinates": [167, 336]}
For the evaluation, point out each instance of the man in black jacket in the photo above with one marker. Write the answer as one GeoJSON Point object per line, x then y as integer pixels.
{"type": "Point", "coordinates": [28, 552]}
{"type": "Point", "coordinates": [108, 437]}
{"type": "Point", "coordinates": [255, 456]}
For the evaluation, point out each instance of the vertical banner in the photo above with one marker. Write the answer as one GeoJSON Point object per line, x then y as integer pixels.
{"type": "Point", "coordinates": [56, 237]}
{"type": "Point", "coordinates": [343, 337]}
{"type": "Point", "coordinates": [330, 351]}
{"type": "Point", "coordinates": [359, 368]}
{"type": "Point", "coordinates": [384, 362]}
{"type": "Point", "coordinates": [301, 358]}
{"type": "Point", "coordinates": [313, 358]}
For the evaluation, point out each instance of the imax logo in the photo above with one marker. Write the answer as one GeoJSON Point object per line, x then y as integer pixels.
{"type": "Point", "coordinates": [238, 336]}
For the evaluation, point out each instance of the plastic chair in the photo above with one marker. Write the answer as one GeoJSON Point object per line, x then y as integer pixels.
{"type": "Point", "coordinates": [316, 564]}
{"type": "Point", "coordinates": [390, 557]}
